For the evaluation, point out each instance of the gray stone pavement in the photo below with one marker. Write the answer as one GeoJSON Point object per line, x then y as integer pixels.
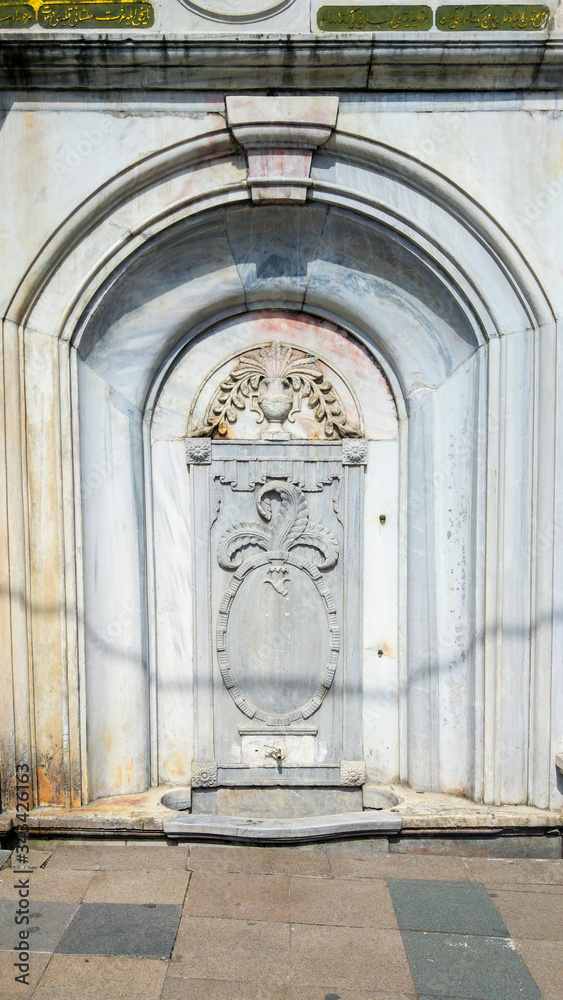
{"type": "Point", "coordinates": [334, 922]}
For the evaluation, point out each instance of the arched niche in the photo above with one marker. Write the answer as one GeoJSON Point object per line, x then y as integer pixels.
{"type": "Point", "coordinates": [394, 255]}
{"type": "Point", "coordinates": [391, 298]}
{"type": "Point", "coordinates": [288, 665]}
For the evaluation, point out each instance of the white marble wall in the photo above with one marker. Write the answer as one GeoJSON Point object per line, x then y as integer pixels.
{"type": "Point", "coordinates": [435, 246]}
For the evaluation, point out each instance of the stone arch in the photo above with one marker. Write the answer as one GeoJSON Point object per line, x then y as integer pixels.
{"type": "Point", "coordinates": [416, 272]}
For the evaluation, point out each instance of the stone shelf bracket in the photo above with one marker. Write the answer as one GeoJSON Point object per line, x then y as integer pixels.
{"type": "Point", "coordinates": [279, 136]}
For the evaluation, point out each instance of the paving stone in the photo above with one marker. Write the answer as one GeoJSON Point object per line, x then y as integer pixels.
{"type": "Point", "coordinates": [349, 957]}
{"type": "Point", "coordinates": [545, 961]}
{"type": "Point", "coordinates": [239, 950]}
{"type": "Point", "coordinates": [47, 923]}
{"type": "Point", "coordinates": [135, 931]}
{"type": "Point", "coordinates": [125, 858]}
{"type": "Point", "coordinates": [538, 916]}
{"type": "Point", "coordinates": [9, 989]}
{"type": "Point", "coordinates": [161, 887]}
{"type": "Point", "coordinates": [343, 993]}
{"type": "Point", "coordinates": [497, 871]}
{"type": "Point", "coordinates": [266, 860]}
{"type": "Point", "coordinates": [244, 896]}
{"type": "Point", "coordinates": [340, 901]}
{"type": "Point", "coordinates": [33, 859]}
{"type": "Point", "coordinates": [220, 989]}
{"type": "Point", "coordinates": [79, 977]}
{"type": "Point", "coordinates": [4, 857]}
{"type": "Point", "coordinates": [451, 907]}
{"type": "Point", "coordinates": [398, 866]}
{"type": "Point", "coordinates": [465, 966]}
{"type": "Point", "coordinates": [531, 887]}
{"type": "Point", "coordinates": [45, 884]}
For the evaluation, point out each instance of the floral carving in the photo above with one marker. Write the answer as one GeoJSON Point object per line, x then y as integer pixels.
{"type": "Point", "coordinates": [204, 774]}
{"type": "Point", "coordinates": [273, 381]}
{"type": "Point", "coordinates": [352, 772]}
{"type": "Point", "coordinates": [278, 536]}
{"type": "Point", "coordinates": [354, 452]}
{"type": "Point", "coordinates": [198, 451]}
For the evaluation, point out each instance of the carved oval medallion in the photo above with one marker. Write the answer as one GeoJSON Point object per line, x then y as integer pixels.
{"type": "Point", "coordinates": [278, 638]}
{"type": "Point", "coordinates": [277, 635]}
{"type": "Point", "coordinates": [277, 643]}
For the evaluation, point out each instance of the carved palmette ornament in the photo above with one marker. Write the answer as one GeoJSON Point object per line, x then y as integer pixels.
{"type": "Point", "coordinates": [278, 567]}
{"type": "Point", "coordinates": [272, 382]}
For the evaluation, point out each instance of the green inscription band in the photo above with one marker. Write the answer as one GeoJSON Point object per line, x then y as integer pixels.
{"type": "Point", "coordinates": [16, 15]}
{"type": "Point", "coordinates": [94, 14]}
{"type": "Point", "coordinates": [510, 17]}
{"type": "Point", "coordinates": [381, 18]}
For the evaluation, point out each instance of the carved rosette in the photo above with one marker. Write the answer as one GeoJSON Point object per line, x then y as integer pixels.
{"type": "Point", "coordinates": [354, 452]}
{"type": "Point", "coordinates": [204, 774]}
{"type": "Point", "coordinates": [198, 451]}
{"type": "Point", "coordinates": [352, 773]}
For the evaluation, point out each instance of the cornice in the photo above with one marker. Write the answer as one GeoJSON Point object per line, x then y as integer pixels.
{"type": "Point", "coordinates": [283, 62]}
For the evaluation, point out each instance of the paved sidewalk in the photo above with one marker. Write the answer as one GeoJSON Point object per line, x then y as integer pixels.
{"type": "Point", "coordinates": [335, 922]}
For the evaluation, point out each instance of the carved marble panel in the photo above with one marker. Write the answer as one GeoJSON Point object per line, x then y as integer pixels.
{"type": "Point", "coordinates": [278, 574]}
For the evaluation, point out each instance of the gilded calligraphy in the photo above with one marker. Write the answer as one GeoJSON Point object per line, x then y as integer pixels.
{"type": "Point", "coordinates": [91, 14]}
{"type": "Point", "coordinates": [372, 18]}
{"type": "Point", "coordinates": [477, 17]}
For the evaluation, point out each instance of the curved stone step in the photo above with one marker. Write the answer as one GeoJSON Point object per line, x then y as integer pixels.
{"type": "Point", "coordinates": [281, 830]}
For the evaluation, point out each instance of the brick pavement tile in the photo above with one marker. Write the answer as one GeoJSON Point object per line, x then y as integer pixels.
{"type": "Point", "coordinates": [47, 923]}
{"type": "Point", "coordinates": [9, 989]}
{"type": "Point", "coordinates": [142, 887]}
{"type": "Point", "coordinates": [247, 895]}
{"type": "Point", "coordinates": [133, 931]}
{"type": "Point", "coordinates": [341, 901]}
{"type": "Point", "coordinates": [359, 958]}
{"type": "Point", "coordinates": [545, 961]}
{"type": "Point", "coordinates": [127, 858]}
{"type": "Point", "coordinates": [496, 871]}
{"type": "Point", "coordinates": [241, 950]}
{"type": "Point", "coordinates": [398, 866]}
{"type": "Point", "coordinates": [265, 860]}
{"type": "Point", "coordinates": [79, 977]}
{"type": "Point", "coordinates": [533, 915]}
{"type": "Point", "coordinates": [220, 989]}
{"type": "Point", "coordinates": [56, 885]}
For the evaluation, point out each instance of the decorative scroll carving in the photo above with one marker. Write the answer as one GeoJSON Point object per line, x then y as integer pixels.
{"type": "Point", "coordinates": [198, 451]}
{"type": "Point", "coordinates": [277, 536]}
{"type": "Point", "coordinates": [354, 452]}
{"type": "Point", "coordinates": [244, 474]}
{"type": "Point", "coordinates": [352, 772]}
{"type": "Point", "coordinates": [273, 382]}
{"type": "Point", "coordinates": [204, 774]}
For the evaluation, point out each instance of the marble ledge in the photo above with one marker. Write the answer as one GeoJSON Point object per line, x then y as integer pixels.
{"type": "Point", "coordinates": [343, 62]}
{"type": "Point", "coordinates": [143, 815]}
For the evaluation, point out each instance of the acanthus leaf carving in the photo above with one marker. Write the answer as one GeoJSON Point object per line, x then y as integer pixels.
{"type": "Point", "coordinates": [278, 535]}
